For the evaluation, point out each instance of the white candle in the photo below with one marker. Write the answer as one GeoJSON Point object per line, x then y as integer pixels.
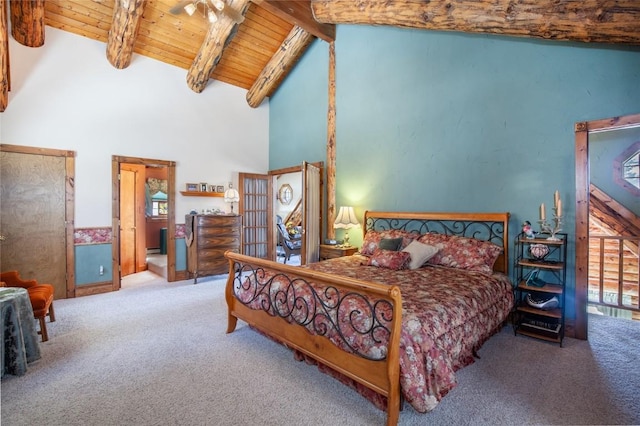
{"type": "Point", "coordinates": [556, 198]}
{"type": "Point", "coordinates": [559, 209]}
{"type": "Point", "coordinates": [542, 217]}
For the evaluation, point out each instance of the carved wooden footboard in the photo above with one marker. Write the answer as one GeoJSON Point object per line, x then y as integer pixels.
{"type": "Point", "coordinates": [329, 311]}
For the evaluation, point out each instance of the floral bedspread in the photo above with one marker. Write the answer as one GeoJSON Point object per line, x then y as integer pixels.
{"type": "Point", "coordinates": [447, 315]}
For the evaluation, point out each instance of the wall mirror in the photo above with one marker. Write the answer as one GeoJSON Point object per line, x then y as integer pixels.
{"type": "Point", "coordinates": [285, 194]}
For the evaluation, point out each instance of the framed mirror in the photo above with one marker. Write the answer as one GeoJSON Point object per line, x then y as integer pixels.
{"type": "Point", "coordinates": [285, 194]}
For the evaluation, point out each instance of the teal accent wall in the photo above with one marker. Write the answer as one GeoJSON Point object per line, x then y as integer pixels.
{"type": "Point", "coordinates": [88, 260]}
{"type": "Point", "coordinates": [181, 255]}
{"type": "Point", "coordinates": [444, 121]}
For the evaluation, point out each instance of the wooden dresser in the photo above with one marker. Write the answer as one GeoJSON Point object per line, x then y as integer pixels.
{"type": "Point", "coordinates": [207, 238]}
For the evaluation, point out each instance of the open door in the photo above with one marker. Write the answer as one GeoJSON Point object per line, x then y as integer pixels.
{"type": "Point", "coordinates": [311, 208]}
{"type": "Point", "coordinates": [256, 208]}
{"type": "Point", "coordinates": [257, 199]}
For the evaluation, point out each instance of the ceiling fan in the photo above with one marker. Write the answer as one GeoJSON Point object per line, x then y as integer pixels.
{"type": "Point", "coordinates": [211, 9]}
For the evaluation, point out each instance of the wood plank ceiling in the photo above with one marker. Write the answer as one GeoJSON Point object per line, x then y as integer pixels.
{"type": "Point", "coordinates": [258, 53]}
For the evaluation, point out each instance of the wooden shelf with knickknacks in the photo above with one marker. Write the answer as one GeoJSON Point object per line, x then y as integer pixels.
{"type": "Point", "coordinates": [540, 271]}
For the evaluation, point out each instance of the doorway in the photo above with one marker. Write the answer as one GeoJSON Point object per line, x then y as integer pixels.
{"type": "Point", "coordinates": [130, 177]}
{"type": "Point", "coordinates": [583, 132]}
{"type": "Point", "coordinates": [259, 195]}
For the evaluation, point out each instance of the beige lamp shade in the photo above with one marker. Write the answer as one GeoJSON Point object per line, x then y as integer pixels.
{"type": "Point", "coordinates": [346, 219]}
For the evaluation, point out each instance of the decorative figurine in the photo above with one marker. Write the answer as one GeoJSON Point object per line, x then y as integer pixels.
{"type": "Point", "coordinates": [527, 230]}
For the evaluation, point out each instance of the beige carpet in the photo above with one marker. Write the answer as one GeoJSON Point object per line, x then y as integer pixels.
{"type": "Point", "coordinates": [156, 353]}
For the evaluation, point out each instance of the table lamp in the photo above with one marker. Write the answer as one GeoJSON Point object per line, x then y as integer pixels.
{"type": "Point", "coordinates": [231, 196]}
{"type": "Point", "coordinates": [346, 219]}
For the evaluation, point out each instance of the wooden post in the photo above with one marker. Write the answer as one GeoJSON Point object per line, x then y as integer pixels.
{"type": "Point", "coordinates": [5, 80]}
{"type": "Point", "coordinates": [331, 144]}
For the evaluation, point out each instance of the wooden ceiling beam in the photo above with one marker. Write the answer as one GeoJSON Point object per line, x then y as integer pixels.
{"type": "Point", "coordinates": [217, 38]}
{"type": "Point", "coordinates": [27, 22]}
{"type": "Point", "coordinates": [598, 21]}
{"type": "Point", "coordinates": [124, 31]}
{"type": "Point", "coordinates": [5, 81]}
{"type": "Point", "coordinates": [280, 64]}
{"type": "Point", "coordinates": [298, 12]}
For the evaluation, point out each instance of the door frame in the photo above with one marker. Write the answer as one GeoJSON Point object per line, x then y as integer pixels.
{"type": "Point", "coordinates": [69, 204]}
{"type": "Point", "coordinates": [582, 132]}
{"type": "Point", "coordinates": [116, 162]}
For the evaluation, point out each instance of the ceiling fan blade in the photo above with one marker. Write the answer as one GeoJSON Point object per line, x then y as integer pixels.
{"type": "Point", "coordinates": [179, 8]}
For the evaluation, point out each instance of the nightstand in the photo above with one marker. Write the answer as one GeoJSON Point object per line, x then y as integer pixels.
{"type": "Point", "coordinates": [330, 252]}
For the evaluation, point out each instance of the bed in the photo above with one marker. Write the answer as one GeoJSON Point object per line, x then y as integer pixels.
{"type": "Point", "coordinates": [395, 322]}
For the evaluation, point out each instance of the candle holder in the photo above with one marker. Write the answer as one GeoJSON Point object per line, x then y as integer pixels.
{"type": "Point", "coordinates": [546, 228]}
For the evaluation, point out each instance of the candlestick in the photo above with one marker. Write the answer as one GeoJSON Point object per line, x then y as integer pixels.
{"type": "Point", "coordinates": [542, 213]}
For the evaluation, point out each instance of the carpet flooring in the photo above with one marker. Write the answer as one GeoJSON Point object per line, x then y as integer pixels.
{"type": "Point", "coordinates": [156, 353]}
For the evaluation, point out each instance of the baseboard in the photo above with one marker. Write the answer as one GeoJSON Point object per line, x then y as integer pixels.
{"type": "Point", "coordinates": [95, 288]}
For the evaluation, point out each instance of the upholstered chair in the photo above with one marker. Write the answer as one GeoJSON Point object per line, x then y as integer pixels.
{"type": "Point", "coordinates": [41, 296]}
{"type": "Point", "coordinates": [289, 245]}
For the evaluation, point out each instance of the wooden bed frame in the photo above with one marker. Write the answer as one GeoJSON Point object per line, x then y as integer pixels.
{"type": "Point", "coordinates": [276, 320]}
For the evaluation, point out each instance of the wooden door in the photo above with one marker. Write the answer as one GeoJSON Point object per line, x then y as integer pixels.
{"type": "Point", "coordinates": [127, 222]}
{"type": "Point", "coordinates": [311, 208]}
{"type": "Point", "coordinates": [256, 208]}
{"type": "Point", "coordinates": [34, 218]}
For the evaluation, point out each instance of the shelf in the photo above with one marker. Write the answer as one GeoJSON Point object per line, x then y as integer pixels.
{"type": "Point", "coordinates": [548, 288]}
{"type": "Point", "coordinates": [202, 194]}
{"type": "Point", "coordinates": [544, 324]}
{"type": "Point", "coordinates": [551, 313]}
{"type": "Point", "coordinates": [540, 334]}
{"type": "Point", "coordinates": [543, 240]}
{"type": "Point", "coordinates": [542, 264]}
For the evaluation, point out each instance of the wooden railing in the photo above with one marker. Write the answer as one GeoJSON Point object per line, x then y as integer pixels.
{"type": "Point", "coordinates": [614, 267]}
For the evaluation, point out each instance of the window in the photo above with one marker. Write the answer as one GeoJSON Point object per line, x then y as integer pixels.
{"type": "Point", "coordinates": [626, 169]}
{"type": "Point", "coordinates": [159, 208]}
{"type": "Point", "coordinates": [157, 205]}
{"type": "Point", "coordinates": [630, 169]}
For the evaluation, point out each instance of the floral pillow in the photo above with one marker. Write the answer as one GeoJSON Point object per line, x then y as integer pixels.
{"type": "Point", "coordinates": [372, 239]}
{"type": "Point", "coordinates": [462, 252]}
{"type": "Point", "coordinates": [389, 259]}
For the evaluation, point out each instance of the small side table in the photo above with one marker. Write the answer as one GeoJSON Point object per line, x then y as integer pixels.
{"type": "Point", "coordinates": [331, 252]}
{"type": "Point", "coordinates": [19, 336]}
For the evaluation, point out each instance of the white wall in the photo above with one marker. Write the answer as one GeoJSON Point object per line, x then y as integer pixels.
{"type": "Point", "coordinates": [66, 95]}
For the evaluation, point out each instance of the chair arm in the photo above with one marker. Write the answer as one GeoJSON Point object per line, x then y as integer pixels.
{"type": "Point", "coordinates": [12, 279]}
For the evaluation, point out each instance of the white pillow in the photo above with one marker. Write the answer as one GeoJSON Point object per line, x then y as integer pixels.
{"type": "Point", "coordinates": [420, 253]}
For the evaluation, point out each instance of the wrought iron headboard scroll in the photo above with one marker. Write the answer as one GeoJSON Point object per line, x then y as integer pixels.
{"type": "Point", "coordinates": [491, 227]}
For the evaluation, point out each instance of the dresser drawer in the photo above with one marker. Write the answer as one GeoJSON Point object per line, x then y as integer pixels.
{"type": "Point", "coordinates": [206, 221]}
{"type": "Point", "coordinates": [219, 241]}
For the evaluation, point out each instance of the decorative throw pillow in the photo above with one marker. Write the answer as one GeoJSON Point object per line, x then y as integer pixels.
{"type": "Point", "coordinates": [389, 259]}
{"type": "Point", "coordinates": [420, 253]}
{"type": "Point", "coordinates": [390, 244]}
{"type": "Point", "coordinates": [462, 252]}
{"type": "Point", "coordinates": [372, 239]}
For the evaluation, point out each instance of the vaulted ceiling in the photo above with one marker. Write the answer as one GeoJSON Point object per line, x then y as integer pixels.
{"type": "Point", "coordinates": [257, 53]}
